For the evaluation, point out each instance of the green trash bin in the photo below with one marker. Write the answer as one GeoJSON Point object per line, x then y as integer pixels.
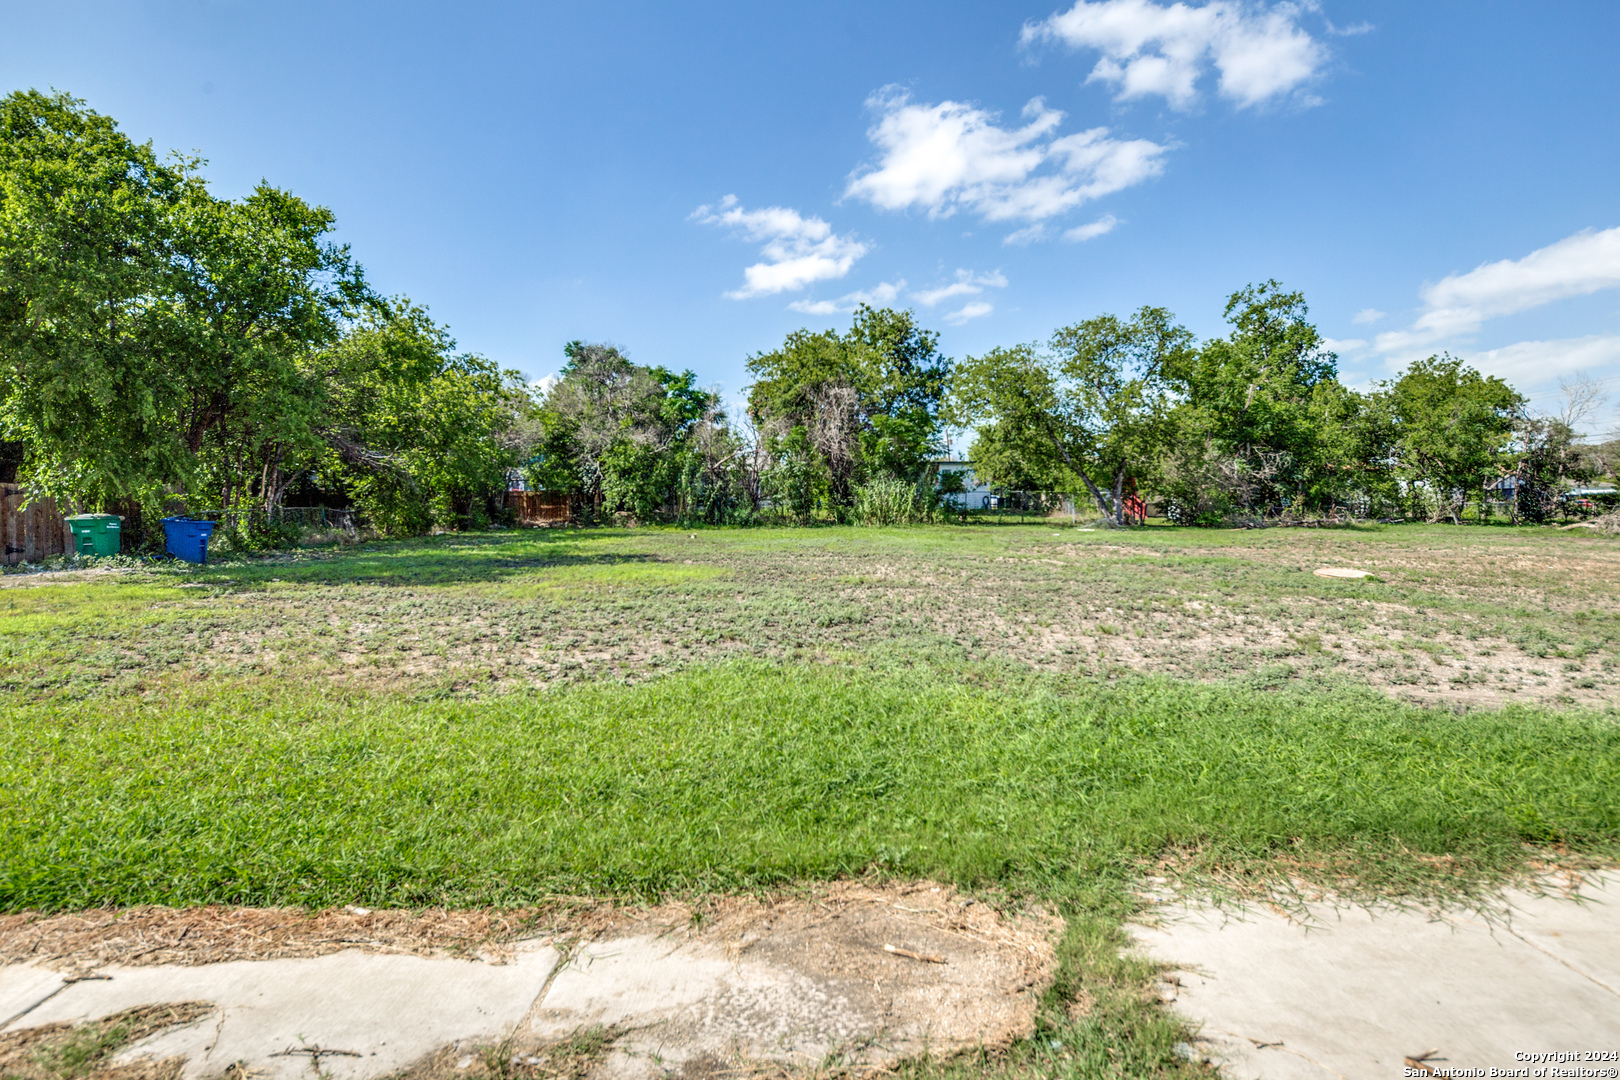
{"type": "Point", "coordinates": [96, 534]}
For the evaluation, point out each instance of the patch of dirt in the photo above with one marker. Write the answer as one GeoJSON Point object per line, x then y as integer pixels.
{"type": "Point", "coordinates": [850, 976]}
{"type": "Point", "coordinates": [148, 936]}
{"type": "Point", "coordinates": [65, 1051]}
{"type": "Point", "coordinates": [853, 975]}
{"type": "Point", "coordinates": [24, 579]}
{"type": "Point", "coordinates": [843, 979]}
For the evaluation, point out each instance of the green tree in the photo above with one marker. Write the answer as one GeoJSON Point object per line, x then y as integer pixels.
{"type": "Point", "coordinates": [867, 401]}
{"type": "Point", "coordinates": [1086, 411]}
{"type": "Point", "coordinates": [625, 431]}
{"type": "Point", "coordinates": [261, 293]}
{"type": "Point", "coordinates": [1451, 429]}
{"type": "Point", "coordinates": [413, 430]}
{"type": "Point", "coordinates": [1257, 406]}
{"type": "Point", "coordinates": [145, 324]}
{"type": "Point", "coordinates": [85, 280]}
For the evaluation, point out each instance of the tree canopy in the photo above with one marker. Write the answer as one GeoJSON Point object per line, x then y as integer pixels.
{"type": "Point", "coordinates": [157, 340]}
{"type": "Point", "coordinates": [1450, 428]}
{"type": "Point", "coordinates": [1249, 425]}
{"type": "Point", "coordinates": [1085, 410]}
{"type": "Point", "coordinates": [647, 441]}
{"type": "Point", "coordinates": [863, 404]}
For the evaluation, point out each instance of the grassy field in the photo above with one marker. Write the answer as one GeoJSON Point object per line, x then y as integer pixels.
{"type": "Point", "coordinates": [1471, 616]}
{"type": "Point", "coordinates": [1025, 711]}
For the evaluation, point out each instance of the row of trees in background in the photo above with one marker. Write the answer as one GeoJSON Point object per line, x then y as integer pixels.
{"type": "Point", "coordinates": [161, 344]}
{"type": "Point", "coordinates": [838, 426]}
{"type": "Point", "coordinates": [1249, 426]}
{"type": "Point", "coordinates": [1256, 423]}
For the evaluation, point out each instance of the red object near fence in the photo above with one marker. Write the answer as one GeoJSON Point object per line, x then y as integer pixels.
{"type": "Point", "coordinates": [1135, 510]}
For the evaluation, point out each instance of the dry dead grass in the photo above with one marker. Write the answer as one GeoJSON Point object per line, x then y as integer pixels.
{"type": "Point", "coordinates": [204, 935]}
{"type": "Point", "coordinates": [145, 936]}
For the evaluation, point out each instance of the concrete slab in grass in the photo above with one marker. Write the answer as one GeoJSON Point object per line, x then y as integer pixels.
{"type": "Point", "coordinates": [802, 984]}
{"type": "Point", "coordinates": [1344, 991]}
{"type": "Point", "coordinates": [382, 1012]}
{"type": "Point", "coordinates": [24, 987]}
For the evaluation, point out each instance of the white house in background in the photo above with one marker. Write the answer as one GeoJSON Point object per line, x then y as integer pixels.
{"type": "Point", "coordinates": [976, 496]}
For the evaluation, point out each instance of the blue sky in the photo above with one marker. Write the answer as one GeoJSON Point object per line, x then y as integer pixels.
{"type": "Point", "coordinates": [692, 182]}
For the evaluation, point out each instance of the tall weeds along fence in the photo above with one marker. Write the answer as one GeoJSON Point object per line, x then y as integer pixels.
{"type": "Point", "coordinates": [32, 534]}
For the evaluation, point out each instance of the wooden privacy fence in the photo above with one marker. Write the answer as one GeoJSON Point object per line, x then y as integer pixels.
{"type": "Point", "coordinates": [541, 507]}
{"type": "Point", "coordinates": [31, 534]}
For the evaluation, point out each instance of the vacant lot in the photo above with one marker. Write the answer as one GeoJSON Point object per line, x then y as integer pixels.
{"type": "Point", "coordinates": [520, 720]}
{"type": "Point", "coordinates": [1454, 616]}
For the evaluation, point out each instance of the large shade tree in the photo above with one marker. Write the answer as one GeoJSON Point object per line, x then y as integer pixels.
{"type": "Point", "coordinates": [141, 318]}
{"type": "Point", "coordinates": [1084, 412]}
{"type": "Point", "coordinates": [87, 283]}
{"type": "Point", "coordinates": [864, 403]}
{"type": "Point", "coordinates": [628, 432]}
{"type": "Point", "coordinates": [1260, 407]}
{"type": "Point", "coordinates": [415, 432]}
{"type": "Point", "coordinates": [1452, 429]}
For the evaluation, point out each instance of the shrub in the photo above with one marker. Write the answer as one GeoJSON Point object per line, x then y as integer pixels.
{"type": "Point", "coordinates": [887, 501]}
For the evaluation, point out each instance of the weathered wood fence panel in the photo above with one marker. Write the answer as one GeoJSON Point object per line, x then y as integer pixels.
{"type": "Point", "coordinates": [540, 507]}
{"type": "Point", "coordinates": [31, 534]}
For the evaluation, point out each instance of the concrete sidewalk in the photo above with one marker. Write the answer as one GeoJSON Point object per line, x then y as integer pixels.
{"type": "Point", "coordinates": [852, 975]}
{"type": "Point", "coordinates": [859, 975]}
{"type": "Point", "coordinates": [1344, 991]}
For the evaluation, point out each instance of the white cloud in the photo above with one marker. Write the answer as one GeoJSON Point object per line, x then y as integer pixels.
{"type": "Point", "coordinates": [977, 309]}
{"type": "Point", "coordinates": [967, 283]}
{"type": "Point", "coordinates": [1260, 51]}
{"type": "Point", "coordinates": [879, 295]}
{"type": "Point", "coordinates": [949, 157]}
{"type": "Point", "coordinates": [542, 386]}
{"type": "Point", "coordinates": [1529, 364]}
{"type": "Point", "coordinates": [1368, 315]}
{"type": "Point", "coordinates": [1347, 345]}
{"type": "Point", "coordinates": [1575, 266]}
{"type": "Point", "coordinates": [798, 250]}
{"type": "Point", "coordinates": [1026, 236]}
{"type": "Point", "coordinates": [1100, 227]}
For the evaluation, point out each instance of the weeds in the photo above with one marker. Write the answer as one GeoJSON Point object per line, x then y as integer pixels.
{"type": "Point", "coordinates": [889, 502]}
{"type": "Point", "coordinates": [477, 615]}
{"type": "Point", "coordinates": [74, 1051]}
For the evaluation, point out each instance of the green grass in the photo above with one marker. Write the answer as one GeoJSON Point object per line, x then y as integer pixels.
{"type": "Point", "coordinates": [751, 774]}
{"type": "Point", "coordinates": [1510, 616]}
{"type": "Point", "coordinates": [1027, 710]}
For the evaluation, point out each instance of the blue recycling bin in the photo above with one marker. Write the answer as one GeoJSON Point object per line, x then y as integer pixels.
{"type": "Point", "coordinates": [187, 538]}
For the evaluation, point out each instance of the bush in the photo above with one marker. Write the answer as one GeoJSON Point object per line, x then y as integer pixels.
{"type": "Point", "coordinates": [256, 534]}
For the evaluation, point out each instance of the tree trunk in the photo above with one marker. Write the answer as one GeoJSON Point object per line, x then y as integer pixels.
{"type": "Point", "coordinates": [1102, 500]}
{"type": "Point", "coordinates": [274, 485]}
